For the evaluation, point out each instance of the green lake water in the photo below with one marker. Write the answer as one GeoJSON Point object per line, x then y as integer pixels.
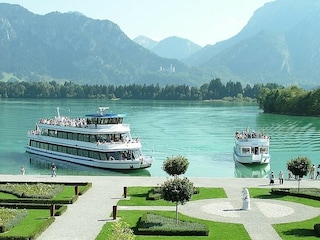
{"type": "Point", "coordinates": [201, 131]}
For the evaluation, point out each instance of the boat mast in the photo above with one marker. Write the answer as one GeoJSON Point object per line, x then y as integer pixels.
{"type": "Point", "coordinates": [102, 109]}
{"type": "Point", "coordinates": [58, 111]}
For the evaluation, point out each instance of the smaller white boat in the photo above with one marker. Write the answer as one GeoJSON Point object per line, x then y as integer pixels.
{"type": "Point", "coordinates": [251, 147]}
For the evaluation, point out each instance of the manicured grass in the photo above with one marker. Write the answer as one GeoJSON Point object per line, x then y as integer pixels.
{"type": "Point", "coordinates": [264, 193]}
{"type": "Point", "coordinates": [297, 230]}
{"type": "Point", "coordinates": [217, 230]}
{"type": "Point", "coordinates": [30, 224]}
{"type": "Point", "coordinates": [137, 196]}
{"type": "Point", "coordinates": [7, 196]}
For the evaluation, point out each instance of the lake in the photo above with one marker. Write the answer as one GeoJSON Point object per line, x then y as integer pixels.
{"type": "Point", "coordinates": [201, 131]}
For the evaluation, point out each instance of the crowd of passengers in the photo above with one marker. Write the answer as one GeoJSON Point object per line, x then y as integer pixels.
{"type": "Point", "coordinates": [246, 135]}
{"type": "Point", "coordinates": [65, 121]}
{"type": "Point", "coordinates": [112, 139]}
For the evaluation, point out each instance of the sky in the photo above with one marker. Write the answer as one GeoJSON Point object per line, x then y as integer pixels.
{"type": "Point", "coordinates": [200, 21]}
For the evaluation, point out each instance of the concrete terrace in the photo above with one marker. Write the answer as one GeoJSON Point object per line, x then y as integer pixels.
{"type": "Point", "coordinates": [84, 219]}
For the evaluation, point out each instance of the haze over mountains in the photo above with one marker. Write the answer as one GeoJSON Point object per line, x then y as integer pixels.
{"type": "Point", "coordinates": [280, 44]}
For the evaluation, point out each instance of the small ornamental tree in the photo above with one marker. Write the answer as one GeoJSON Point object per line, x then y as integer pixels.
{"type": "Point", "coordinates": [300, 167]}
{"type": "Point", "coordinates": [178, 191]}
{"type": "Point", "coordinates": [176, 165]}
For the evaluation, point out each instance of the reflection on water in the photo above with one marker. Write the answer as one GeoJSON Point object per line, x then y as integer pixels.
{"type": "Point", "coordinates": [42, 165]}
{"type": "Point", "coordinates": [251, 171]}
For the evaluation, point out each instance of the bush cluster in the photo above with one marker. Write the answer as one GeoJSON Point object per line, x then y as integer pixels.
{"type": "Point", "coordinates": [316, 229]}
{"type": "Point", "coordinates": [154, 194]}
{"type": "Point", "coordinates": [10, 217]}
{"type": "Point", "coordinates": [154, 224]}
{"type": "Point", "coordinates": [33, 190]}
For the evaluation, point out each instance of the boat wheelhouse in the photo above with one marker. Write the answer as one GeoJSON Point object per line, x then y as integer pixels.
{"type": "Point", "coordinates": [99, 140]}
{"type": "Point", "coordinates": [251, 147]}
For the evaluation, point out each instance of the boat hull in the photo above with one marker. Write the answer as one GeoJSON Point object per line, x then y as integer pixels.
{"type": "Point", "coordinates": [106, 164]}
{"type": "Point", "coordinates": [251, 159]}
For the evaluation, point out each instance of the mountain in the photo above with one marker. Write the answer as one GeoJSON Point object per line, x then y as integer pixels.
{"type": "Point", "coordinates": [171, 47]}
{"type": "Point", "coordinates": [145, 42]}
{"type": "Point", "coordinates": [71, 47]}
{"type": "Point", "coordinates": [279, 44]}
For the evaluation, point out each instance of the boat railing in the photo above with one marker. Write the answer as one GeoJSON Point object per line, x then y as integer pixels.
{"type": "Point", "coordinates": [78, 123]}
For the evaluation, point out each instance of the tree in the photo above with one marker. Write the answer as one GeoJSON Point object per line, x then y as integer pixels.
{"type": "Point", "coordinates": [178, 191]}
{"type": "Point", "coordinates": [300, 167]}
{"type": "Point", "coordinates": [176, 165]}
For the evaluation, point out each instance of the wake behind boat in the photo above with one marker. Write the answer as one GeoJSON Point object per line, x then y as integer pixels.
{"type": "Point", "coordinates": [98, 140]}
{"type": "Point", "coordinates": [251, 147]}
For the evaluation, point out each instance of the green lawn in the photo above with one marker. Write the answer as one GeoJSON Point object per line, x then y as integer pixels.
{"type": "Point", "coordinates": [264, 193]}
{"type": "Point", "coordinates": [297, 230]}
{"type": "Point", "coordinates": [36, 219]}
{"type": "Point", "coordinates": [287, 231]}
{"type": "Point", "coordinates": [137, 196]}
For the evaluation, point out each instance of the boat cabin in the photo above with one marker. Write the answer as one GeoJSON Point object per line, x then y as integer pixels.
{"type": "Point", "coordinates": [104, 119]}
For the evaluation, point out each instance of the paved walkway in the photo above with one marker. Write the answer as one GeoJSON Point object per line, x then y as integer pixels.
{"type": "Point", "coordinates": [84, 219]}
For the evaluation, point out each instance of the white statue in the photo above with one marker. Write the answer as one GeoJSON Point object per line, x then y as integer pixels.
{"type": "Point", "coordinates": [245, 199]}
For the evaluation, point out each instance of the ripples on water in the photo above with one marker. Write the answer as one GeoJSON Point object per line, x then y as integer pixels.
{"type": "Point", "coordinates": [201, 131]}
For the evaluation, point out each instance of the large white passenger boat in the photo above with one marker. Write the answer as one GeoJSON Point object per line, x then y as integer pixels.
{"type": "Point", "coordinates": [251, 147]}
{"type": "Point", "coordinates": [98, 140]}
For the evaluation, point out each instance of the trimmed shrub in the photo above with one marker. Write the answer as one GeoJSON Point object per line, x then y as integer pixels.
{"type": "Point", "coordinates": [154, 194]}
{"type": "Point", "coordinates": [33, 190]}
{"type": "Point", "coordinates": [316, 229]}
{"type": "Point", "coordinates": [154, 224]}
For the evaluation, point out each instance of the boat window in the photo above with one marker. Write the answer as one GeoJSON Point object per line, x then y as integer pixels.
{"type": "Point", "coordinates": [75, 136]}
{"type": "Point", "coordinates": [64, 135]}
{"type": "Point", "coordinates": [44, 132]}
{"type": "Point", "coordinates": [103, 156]}
{"type": "Point", "coordinates": [80, 152]}
{"type": "Point", "coordinates": [52, 133]}
{"type": "Point", "coordinates": [69, 150]}
{"type": "Point", "coordinates": [59, 134]}
{"type": "Point", "coordinates": [80, 137]}
{"type": "Point", "coordinates": [64, 149]}
{"type": "Point", "coordinates": [245, 150]}
{"type": "Point", "coordinates": [54, 148]}
{"type": "Point", "coordinates": [85, 153]}
{"type": "Point", "coordinates": [70, 135]}
{"type": "Point", "coordinates": [86, 137]}
{"type": "Point", "coordinates": [93, 138]}
{"type": "Point", "coordinates": [264, 150]}
{"type": "Point", "coordinates": [74, 151]}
